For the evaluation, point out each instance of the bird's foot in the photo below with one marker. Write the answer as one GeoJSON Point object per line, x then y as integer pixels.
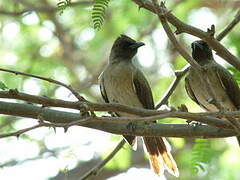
{"type": "Point", "coordinates": [84, 110]}
{"type": "Point", "coordinates": [131, 126]}
{"type": "Point", "coordinates": [195, 124]}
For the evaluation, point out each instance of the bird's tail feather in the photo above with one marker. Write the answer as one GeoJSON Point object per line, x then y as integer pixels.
{"type": "Point", "coordinates": [132, 141]}
{"type": "Point", "coordinates": [238, 139]}
{"type": "Point", "coordinates": [160, 156]}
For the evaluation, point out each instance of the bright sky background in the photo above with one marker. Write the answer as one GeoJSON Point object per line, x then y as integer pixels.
{"type": "Point", "coordinates": [78, 143]}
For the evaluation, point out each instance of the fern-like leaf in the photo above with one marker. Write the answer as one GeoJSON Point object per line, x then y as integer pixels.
{"type": "Point", "coordinates": [62, 5]}
{"type": "Point", "coordinates": [98, 13]}
{"type": "Point", "coordinates": [3, 86]}
{"type": "Point", "coordinates": [201, 155]}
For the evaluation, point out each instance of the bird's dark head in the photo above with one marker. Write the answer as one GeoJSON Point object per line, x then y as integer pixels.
{"type": "Point", "coordinates": [124, 48]}
{"type": "Point", "coordinates": [201, 52]}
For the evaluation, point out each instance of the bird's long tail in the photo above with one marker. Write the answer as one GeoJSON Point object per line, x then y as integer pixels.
{"type": "Point", "coordinates": [160, 156]}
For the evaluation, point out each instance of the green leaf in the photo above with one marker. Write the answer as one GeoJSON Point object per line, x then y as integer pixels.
{"type": "Point", "coordinates": [98, 13]}
{"type": "Point", "coordinates": [201, 155]}
{"type": "Point", "coordinates": [3, 86]}
{"type": "Point", "coordinates": [62, 5]}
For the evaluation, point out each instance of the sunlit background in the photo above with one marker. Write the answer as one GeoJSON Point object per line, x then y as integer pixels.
{"type": "Point", "coordinates": [67, 48]}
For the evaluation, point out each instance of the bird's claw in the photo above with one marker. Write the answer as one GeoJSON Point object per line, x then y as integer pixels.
{"type": "Point", "coordinates": [131, 126]}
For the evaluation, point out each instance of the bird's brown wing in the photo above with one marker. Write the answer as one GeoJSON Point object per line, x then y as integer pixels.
{"type": "Point", "coordinates": [143, 90]}
{"type": "Point", "coordinates": [130, 139]}
{"type": "Point", "coordinates": [231, 87]}
{"type": "Point", "coordinates": [191, 93]}
{"type": "Point", "coordinates": [156, 146]}
{"type": "Point", "coordinates": [229, 84]}
{"type": "Point", "coordinates": [102, 89]}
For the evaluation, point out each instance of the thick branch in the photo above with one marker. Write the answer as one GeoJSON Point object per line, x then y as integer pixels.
{"type": "Point", "coordinates": [114, 107]}
{"type": "Point", "coordinates": [140, 129]}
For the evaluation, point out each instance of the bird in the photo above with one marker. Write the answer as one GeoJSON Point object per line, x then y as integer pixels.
{"type": "Point", "coordinates": [122, 82]}
{"type": "Point", "coordinates": [216, 89]}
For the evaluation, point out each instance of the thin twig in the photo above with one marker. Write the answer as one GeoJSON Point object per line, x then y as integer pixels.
{"type": "Point", "coordinates": [230, 26]}
{"type": "Point", "coordinates": [18, 133]}
{"type": "Point", "coordinates": [168, 93]}
{"type": "Point", "coordinates": [80, 98]}
{"type": "Point", "coordinates": [95, 170]}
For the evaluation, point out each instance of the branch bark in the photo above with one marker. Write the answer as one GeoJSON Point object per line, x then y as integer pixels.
{"type": "Point", "coordinates": [185, 28]}
{"type": "Point", "coordinates": [108, 124]}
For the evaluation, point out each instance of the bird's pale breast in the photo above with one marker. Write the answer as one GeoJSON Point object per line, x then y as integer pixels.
{"type": "Point", "coordinates": [118, 83]}
{"type": "Point", "coordinates": [208, 89]}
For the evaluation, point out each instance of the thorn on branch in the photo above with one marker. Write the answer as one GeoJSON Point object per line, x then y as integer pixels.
{"type": "Point", "coordinates": [183, 108]}
{"type": "Point", "coordinates": [18, 135]}
{"type": "Point", "coordinates": [65, 128]}
{"type": "Point", "coordinates": [211, 31]}
{"type": "Point", "coordinates": [54, 129]}
{"type": "Point", "coordinates": [13, 92]}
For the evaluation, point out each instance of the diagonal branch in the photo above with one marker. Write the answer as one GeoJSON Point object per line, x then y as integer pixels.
{"type": "Point", "coordinates": [229, 27]}
{"type": "Point", "coordinates": [95, 170]}
{"type": "Point", "coordinates": [18, 133]}
{"type": "Point", "coordinates": [183, 27]}
{"type": "Point", "coordinates": [161, 15]}
{"type": "Point", "coordinates": [80, 98]}
{"type": "Point", "coordinates": [179, 75]}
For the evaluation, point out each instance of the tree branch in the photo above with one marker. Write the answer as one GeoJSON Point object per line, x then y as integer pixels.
{"type": "Point", "coordinates": [18, 133]}
{"type": "Point", "coordinates": [161, 15]}
{"type": "Point", "coordinates": [179, 75]}
{"type": "Point", "coordinates": [94, 171]}
{"type": "Point", "coordinates": [108, 124]}
{"type": "Point", "coordinates": [115, 107]}
{"type": "Point", "coordinates": [229, 27]}
{"type": "Point", "coordinates": [80, 98]}
{"type": "Point", "coordinates": [183, 27]}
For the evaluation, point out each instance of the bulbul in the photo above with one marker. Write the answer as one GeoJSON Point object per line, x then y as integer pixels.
{"type": "Point", "coordinates": [124, 83]}
{"type": "Point", "coordinates": [218, 90]}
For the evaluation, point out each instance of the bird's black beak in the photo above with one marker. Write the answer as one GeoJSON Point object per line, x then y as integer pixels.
{"type": "Point", "coordinates": [197, 45]}
{"type": "Point", "coordinates": [137, 45]}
